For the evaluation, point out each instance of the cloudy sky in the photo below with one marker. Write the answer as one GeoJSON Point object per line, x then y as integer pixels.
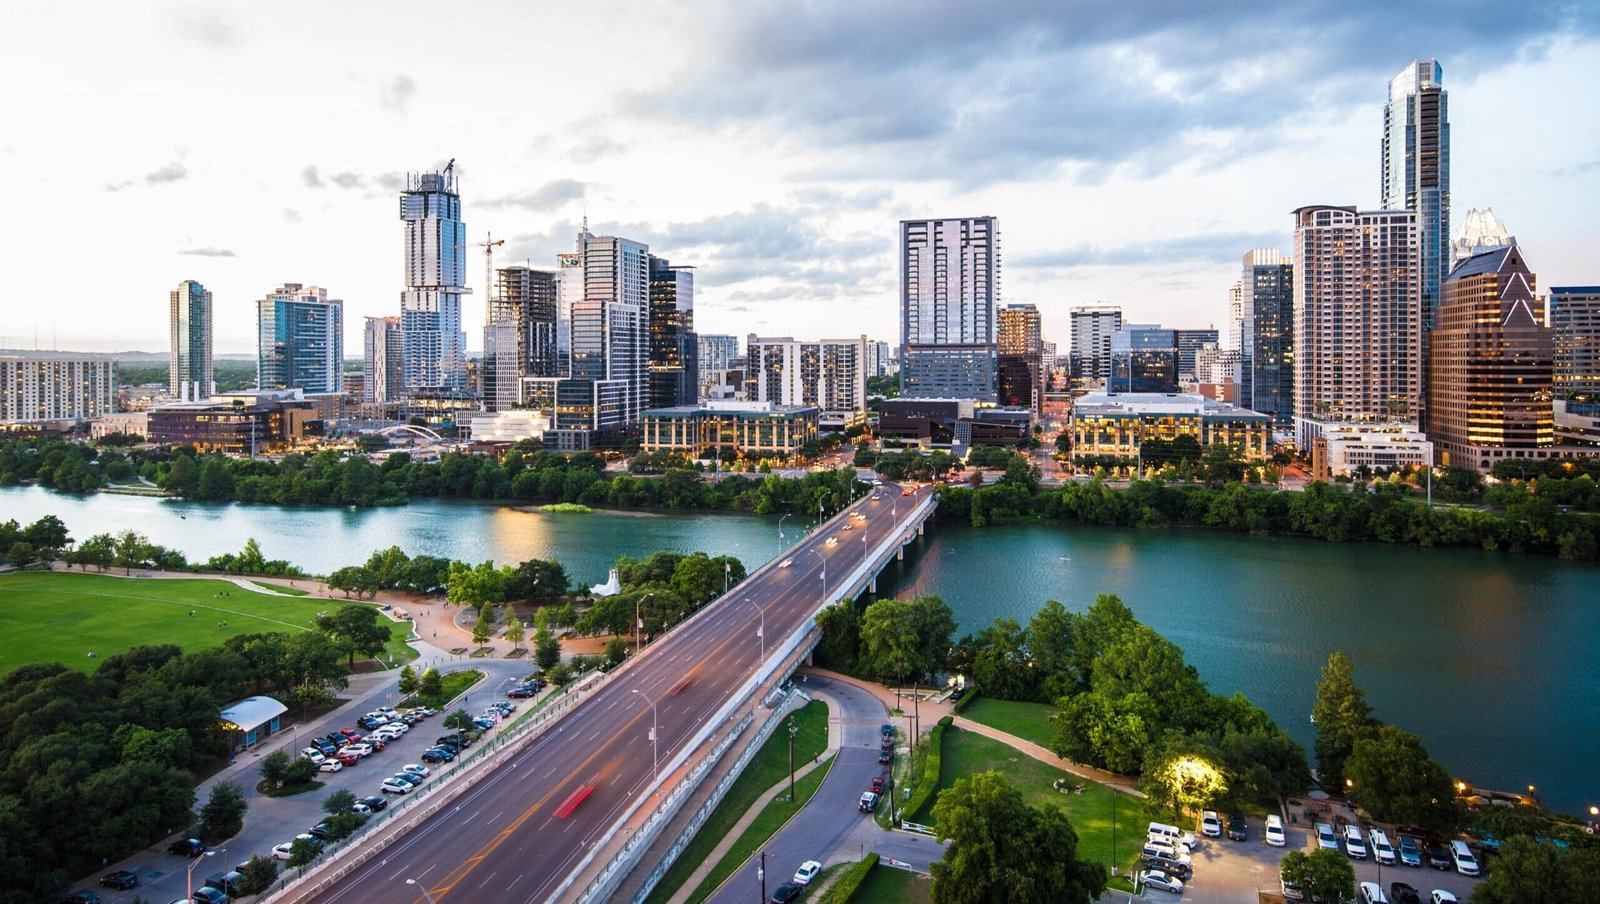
{"type": "Point", "coordinates": [1131, 150]}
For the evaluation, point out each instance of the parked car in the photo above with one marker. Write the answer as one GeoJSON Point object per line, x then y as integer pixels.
{"type": "Point", "coordinates": [1355, 846]}
{"type": "Point", "coordinates": [368, 723]}
{"type": "Point", "coordinates": [1210, 824]}
{"type": "Point", "coordinates": [283, 851]}
{"type": "Point", "coordinates": [482, 724]}
{"type": "Point", "coordinates": [121, 880]}
{"type": "Point", "coordinates": [876, 785]}
{"type": "Point", "coordinates": [350, 734]}
{"type": "Point", "coordinates": [785, 893]}
{"type": "Point", "coordinates": [362, 750]}
{"type": "Point", "coordinates": [456, 739]}
{"type": "Point", "coordinates": [868, 802]}
{"type": "Point", "coordinates": [320, 831]}
{"type": "Point", "coordinates": [82, 897]}
{"type": "Point", "coordinates": [807, 871]}
{"type": "Point", "coordinates": [885, 757]}
{"type": "Point", "coordinates": [1274, 832]}
{"type": "Point", "coordinates": [1166, 853]}
{"type": "Point", "coordinates": [417, 769]}
{"type": "Point", "coordinates": [1326, 840]}
{"type": "Point", "coordinates": [208, 895]}
{"type": "Point", "coordinates": [359, 807]}
{"type": "Point", "coordinates": [1371, 893]}
{"type": "Point", "coordinates": [522, 692]}
{"type": "Point", "coordinates": [1382, 851]}
{"type": "Point", "coordinates": [392, 786]}
{"type": "Point", "coordinates": [437, 755]}
{"type": "Point", "coordinates": [188, 847]}
{"type": "Point", "coordinates": [1237, 827]}
{"type": "Point", "coordinates": [230, 883]}
{"type": "Point", "coordinates": [1410, 851]}
{"type": "Point", "coordinates": [1440, 896]}
{"type": "Point", "coordinates": [408, 778]}
{"type": "Point", "coordinates": [1461, 857]}
{"type": "Point", "coordinates": [325, 746]}
{"type": "Point", "coordinates": [313, 754]}
{"type": "Point", "coordinates": [1436, 855]}
{"type": "Point", "coordinates": [1402, 893]}
{"type": "Point", "coordinates": [1160, 880]}
{"type": "Point", "coordinates": [349, 759]}
{"type": "Point", "coordinates": [1182, 871]}
{"type": "Point", "coordinates": [331, 766]}
{"type": "Point", "coordinates": [376, 802]}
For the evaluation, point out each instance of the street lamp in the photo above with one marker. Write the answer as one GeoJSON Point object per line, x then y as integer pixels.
{"type": "Point", "coordinates": [189, 879]}
{"type": "Point", "coordinates": [638, 623]}
{"type": "Point", "coordinates": [761, 632]}
{"type": "Point", "coordinates": [792, 730]}
{"type": "Point", "coordinates": [818, 554]}
{"type": "Point", "coordinates": [780, 531]}
{"type": "Point", "coordinates": [655, 733]}
{"type": "Point", "coordinates": [422, 888]}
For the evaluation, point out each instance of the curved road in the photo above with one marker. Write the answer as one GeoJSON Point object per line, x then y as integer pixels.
{"type": "Point", "coordinates": [517, 835]}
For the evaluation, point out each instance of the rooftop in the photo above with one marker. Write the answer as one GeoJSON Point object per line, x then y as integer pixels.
{"type": "Point", "coordinates": [252, 712]}
{"type": "Point", "coordinates": [1101, 403]}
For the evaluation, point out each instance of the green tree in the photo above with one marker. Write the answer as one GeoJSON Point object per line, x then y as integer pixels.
{"type": "Point", "coordinates": [1001, 849]}
{"type": "Point", "coordinates": [1184, 783]}
{"type": "Point", "coordinates": [182, 477]}
{"type": "Point", "coordinates": [1342, 715]}
{"type": "Point", "coordinates": [408, 681]}
{"type": "Point", "coordinates": [515, 632]}
{"type": "Point", "coordinates": [302, 851]}
{"type": "Point", "coordinates": [537, 580]}
{"type": "Point", "coordinates": [889, 639]}
{"type": "Point", "coordinates": [432, 683]}
{"type": "Point", "coordinates": [616, 651]}
{"type": "Point", "coordinates": [546, 649]}
{"type": "Point", "coordinates": [459, 719]}
{"type": "Point", "coordinates": [223, 813]}
{"type": "Point", "coordinates": [259, 874]}
{"type": "Point", "coordinates": [1528, 871]}
{"type": "Point", "coordinates": [1390, 773]}
{"type": "Point", "coordinates": [216, 481]}
{"type": "Point", "coordinates": [339, 801]}
{"type": "Point", "coordinates": [358, 629]}
{"type": "Point", "coordinates": [274, 768]}
{"type": "Point", "coordinates": [483, 628]}
{"type": "Point", "coordinates": [1321, 875]}
{"type": "Point", "coordinates": [475, 586]}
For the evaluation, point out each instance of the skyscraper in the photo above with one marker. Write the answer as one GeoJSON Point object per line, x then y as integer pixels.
{"type": "Point", "coordinates": [1266, 359]}
{"type": "Point", "coordinates": [1416, 167]}
{"type": "Point", "coordinates": [1490, 365]}
{"type": "Point", "coordinates": [519, 334]}
{"type": "Point", "coordinates": [56, 387]}
{"type": "Point", "coordinates": [1092, 329]}
{"type": "Point", "coordinates": [300, 340]}
{"type": "Point", "coordinates": [1357, 318]}
{"type": "Point", "coordinates": [383, 362]}
{"type": "Point", "coordinates": [189, 375]}
{"type": "Point", "coordinates": [435, 352]}
{"type": "Point", "coordinates": [1478, 231]}
{"type": "Point", "coordinates": [830, 374]}
{"type": "Point", "coordinates": [1187, 343]}
{"type": "Point", "coordinates": [674, 374]}
{"type": "Point", "coordinates": [949, 284]}
{"type": "Point", "coordinates": [1575, 320]}
{"type": "Point", "coordinates": [716, 353]}
{"type": "Point", "coordinates": [1144, 358]}
{"type": "Point", "coordinates": [1021, 353]}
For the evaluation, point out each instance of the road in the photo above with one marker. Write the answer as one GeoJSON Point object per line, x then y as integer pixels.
{"type": "Point", "coordinates": [504, 841]}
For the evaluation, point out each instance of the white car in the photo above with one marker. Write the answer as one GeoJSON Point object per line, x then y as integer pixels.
{"type": "Point", "coordinates": [807, 871]}
{"type": "Point", "coordinates": [786, 563]}
{"type": "Point", "coordinates": [1372, 893]}
{"type": "Point", "coordinates": [281, 852]}
{"type": "Point", "coordinates": [1440, 896]}
{"type": "Point", "coordinates": [1210, 824]}
{"type": "Point", "coordinates": [1354, 845]}
{"type": "Point", "coordinates": [330, 766]}
{"type": "Point", "coordinates": [417, 769]}
{"type": "Point", "coordinates": [359, 807]}
{"type": "Point", "coordinates": [1326, 840]}
{"type": "Point", "coordinates": [1274, 835]}
{"type": "Point", "coordinates": [313, 754]}
{"type": "Point", "coordinates": [1382, 850]}
{"type": "Point", "coordinates": [394, 786]}
{"type": "Point", "coordinates": [1157, 879]}
{"type": "Point", "coordinates": [360, 750]}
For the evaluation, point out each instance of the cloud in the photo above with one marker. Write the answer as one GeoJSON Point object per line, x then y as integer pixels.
{"type": "Point", "coordinates": [396, 94]}
{"type": "Point", "coordinates": [290, 215]}
{"type": "Point", "coordinates": [1209, 247]}
{"type": "Point", "coordinates": [348, 180]}
{"type": "Point", "coordinates": [118, 186]}
{"type": "Point", "coordinates": [172, 172]}
{"type": "Point", "coordinates": [389, 181]}
{"type": "Point", "coordinates": [205, 25]}
{"type": "Point", "coordinates": [311, 177]}
{"type": "Point", "coordinates": [548, 196]}
{"type": "Point", "coordinates": [209, 252]}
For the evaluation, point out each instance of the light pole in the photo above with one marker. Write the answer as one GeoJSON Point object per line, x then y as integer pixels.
{"type": "Point", "coordinates": [638, 623]}
{"type": "Point", "coordinates": [792, 730]}
{"type": "Point", "coordinates": [422, 888]}
{"type": "Point", "coordinates": [761, 873]}
{"type": "Point", "coordinates": [655, 733]}
{"type": "Point", "coordinates": [761, 632]}
{"type": "Point", "coordinates": [189, 879]}
{"type": "Point", "coordinates": [818, 554]}
{"type": "Point", "coordinates": [780, 531]}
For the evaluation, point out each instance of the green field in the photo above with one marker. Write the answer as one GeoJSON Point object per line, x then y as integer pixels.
{"type": "Point", "coordinates": [967, 753]}
{"type": "Point", "coordinates": [64, 616]}
{"type": "Point", "coordinates": [1028, 721]}
{"type": "Point", "coordinates": [887, 885]}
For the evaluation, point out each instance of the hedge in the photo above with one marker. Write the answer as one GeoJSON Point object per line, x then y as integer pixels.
{"type": "Point", "coordinates": [849, 881]}
{"type": "Point", "coordinates": [928, 784]}
{"type": "Point", "coordinates": [967, 696]}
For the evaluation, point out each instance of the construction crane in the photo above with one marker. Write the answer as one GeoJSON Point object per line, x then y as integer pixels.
{"type": "Point", "coordinates": [488, 247]}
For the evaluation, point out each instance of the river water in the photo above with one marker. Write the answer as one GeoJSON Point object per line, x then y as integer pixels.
{"type": "Point", "coordinates": [1490, 657]}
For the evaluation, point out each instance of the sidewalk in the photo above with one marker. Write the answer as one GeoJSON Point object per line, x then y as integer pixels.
{"type": "Point", "coordinates": [928, 711]}
{"type": "Point", "coordinates": [1110, 779]}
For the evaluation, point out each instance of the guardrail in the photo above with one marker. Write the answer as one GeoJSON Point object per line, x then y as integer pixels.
{"type": "Point", "coordinates": [916, 827]}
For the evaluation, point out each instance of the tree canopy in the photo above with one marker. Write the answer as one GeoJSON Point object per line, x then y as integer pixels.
{"type": "Point", "coordinates": [1002, 850]}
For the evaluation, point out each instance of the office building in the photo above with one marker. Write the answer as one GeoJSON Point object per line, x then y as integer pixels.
{"type": "Point", "coordinates": [1092, 329]}
{"type": "Point", "coordinates": [1216, 373]}
{"type": "Point", "coordinates": [1357, 318]}
{"type": "Point", "coordinates": [955, 424]}
{"type": "Point", "coordinates": [880, 358]}
{"type": "Point", "coordinates": [383, 362]}
{"type": "Point", "coordinates": [1144, 358]}
{"type": "Point", "coordinates": [827, 374]}
{"type": "Point", "coordinates": [1266, 302]}
{"type": "Point", "coordinates": [1188, 342]}
{"type": "Point", "coordinates": [1491, 364]}
{"type": "Point", "coordinates": [747, 429]}
{"type": "Point", "coordinates": [1479, 230]}
{"type": "Point", "coordinates": [1236, 316]}
{"type": "Point", "coordinates": [949, 285]}
{"type": "Point", "coordinates": [674, 369]}
{"type": "Point", "coordinates": [1575, 322]}
{"type": "Point", "coordinates": [500, 371]}
{"type": "Point", "coordinates": [1118, 424]}
{"type": "Point", "coordinates": [528, 301]}
{"type": "Point", "coordinates": [1021, 373]}
{"type": "Point", "coordinates": [610, 318]}
{"type": "Point", "coordinates": [56, 388]}
{"type": "Point", "coordinates": [435, 348]}
{"type": "Point", "coordinates": [1416, 169]}
{"type": "Point", "coordinates": [579, 406]}
{"type": "Point", "coordinates": [242, 424]}
{"type": "Point", "coordinates": [716, 354]}
{"type": "Point", "coordinates": [300, 340]}
{"type": "Point", "coordinates": [1343, 450]}
{"type": "Point", "coordinates": [189, 375]}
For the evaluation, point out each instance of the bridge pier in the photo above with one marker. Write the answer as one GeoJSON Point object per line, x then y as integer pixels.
{"type": "Point", "coordinates": [872, 585]}
{"type": "Point", "coordinates": [920, 525]}
{"type": "Point", "coordinates": [900, 554]}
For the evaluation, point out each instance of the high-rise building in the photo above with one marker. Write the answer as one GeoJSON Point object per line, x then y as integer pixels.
{"type": "Point", "coordinates": [1021, 353]}
{"type": "Point", "coordinates": [1357, 318]}
{"type": "Point", "coordinates": [1416, 168]}
{"type": "Point", "coordinates": [1144, 358]}
{"type": "Point", "coordinates": [610, 323]}
{"type": "Point", "coordinates": [383, 363]}
{"type": "Point", "coordinates": [189, 375]}
{"type": "Point", "coordinates": [519, 335]}
{"type": "Point", "coordinates": [1188, 342]}
{"type": "Point", "coordinates": [828, 374]}
{"type": "Point", "coordinates": [716, 354]}
{"type": "Point", "coordinates": [1236, 316]}
{"type": "Point", "coordinates": [1092, 329]}
{"type": "Point", "coordinates": [1479, 230]}
{"type": "Point", "coordinates": [300, 340]}
{"type": "Point", "coordinates": [1575, 321]}
{"type": "Point", "coordinates": [1266, 300]}
{"type": "Point", "coordinates": [1490, 365]}
{"type": "Point", "coordinates": [56, 388]}
{"type": "Point", "coordinates": [880, 359]}
{"type": "Point", "coordinates": [674, 372]}
{"type": "Point", "coordinates": [435, 348]}
{"type": "Point", "coordinates": [949, 285]}
{"type": "Point", "coordinates": [500, 371]}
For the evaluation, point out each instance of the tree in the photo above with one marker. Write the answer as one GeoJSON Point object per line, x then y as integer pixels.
{"type": "Point", "coordinates": [339, 801]}
{"type": "Point", "coordinates": [1184, 782]}
{"type": "Point", "coordinates": [274, 768]}
{"type": "Point", "coordinates": [514, 630]}
{"type": "Point", "coordinates": [546, 649]}
{"type": "Point", "coordinates": [1321, 875]}
{"type": "Point", "coordinates": [408, 681]}
{"type": "Point", "coordinates": [1001, 849]}
{"type": "Point", "coordinates": [223, 813]}
{"type": "Point", "coordinates": [358, 629]}
{"type": "Point", "coordinates": [484, 627]}
{"type": "Point", "coordinates": [1391, 774]}
{"type": "Point", "coordinates": [432, 683]}
{"type": "Point", "coordinates": [475, 585]}
{"type": "Point", "coordinates": [1528, 871]}
{"type": "Point", "coordinates": [303, 851]}
{"type": "Point", "coordinates": [259, 874]}
{"type": "Point", "coordinates": [888, 639]}
{"type": "Point", "coordinates": [458, 720]}
{"type": "Point", "coordinates": [537, 580]}
{"type": "Point", "coordinates": [616, 651]}
{"type": "Point", "coordinates": [1342, 715]}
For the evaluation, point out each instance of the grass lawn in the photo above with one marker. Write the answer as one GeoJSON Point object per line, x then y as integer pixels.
{"type": "Point", "coordinates": [887, 885]}
{"type": "Point", "coordinates": [771, 819]}
{"type": "Point", "coordinates": [281, 588]}
{"type": "Point", "coordinates": [769, 766]}
{"type": "Point", "coordinates": [967, 753]}
{"type": "Point", "coordinates": [62, 616]}
{"type": "Point", "coordinates": [1028, 721]}
{"type": "Point", "coordinates": [451, 684]}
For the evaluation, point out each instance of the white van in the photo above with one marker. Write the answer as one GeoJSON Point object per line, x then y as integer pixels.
{"type": "Point", "coordinates": [1461, 855]}
{"type": "Point", "coordinates": [1160, 831]}
{"type": "Point", "coordinates": [1274, 835]}
{"type": "Point", "coordinates": [1354, 844]}
{"type": "Point", "coordinates": [1382, 850]}
{"type": "Point", "coordinates": [1158, 850]}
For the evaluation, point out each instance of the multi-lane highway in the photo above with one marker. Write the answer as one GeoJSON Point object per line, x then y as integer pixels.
{"type": "Point", "coordinates": [518, 833]}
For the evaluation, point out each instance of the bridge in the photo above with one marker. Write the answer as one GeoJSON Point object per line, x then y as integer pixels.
{"type": "Point", "coordinates": [565, 808]}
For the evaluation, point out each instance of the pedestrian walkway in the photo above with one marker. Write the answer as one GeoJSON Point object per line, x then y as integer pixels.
{"type": "Point", "coordinates": [1117, 782]}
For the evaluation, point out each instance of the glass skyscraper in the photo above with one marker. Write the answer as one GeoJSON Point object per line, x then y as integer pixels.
{"type": "Point", "coordinates": [674, 374]}
{"type": "Point", "coordinates": [435, 354]}
{"type": "Point", "coordinates": [301, 342]}
{"type": "Point", "coordinates": [189, 376]}
{"type": "Point", "coordinates": [949, 286]}
{"type": "Point", "coordinates": [1416, 167]}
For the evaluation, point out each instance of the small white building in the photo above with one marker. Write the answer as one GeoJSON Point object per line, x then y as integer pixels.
{"type": "Point", "coordinates": [1341, 449]}
{"type": "Point", "coordinates": [132, 423]}
{"type": "Point", "coordinates": [507, 426]}
{"type": "Point", "coordinates": [251, 720]}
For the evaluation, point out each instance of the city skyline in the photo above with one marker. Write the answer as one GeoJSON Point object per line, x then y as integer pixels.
{"type": "Point", "coordinates": [788, 211]}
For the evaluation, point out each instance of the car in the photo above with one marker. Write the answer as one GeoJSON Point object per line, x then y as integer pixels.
{"type": "Point", "coordinates": [807, 871]}
{"type": "Point", "coordinates": [376, 743]}
{"type": "Point", "coordinates": [325, 746]}
{"type": "Point", "coordinates": [282, 851]}
{"type": "Point", "coordinates": [1157, 879]}
{"type": "Point", "coordinates": [320, 831]}
{"type": "Point", "coordinates": [350, 734]}
{"type": "Point", "coordinates": [313, 754]}
{"type": "Point", "coordinates": [1290, 890]}
{"type": "Point", "coordinates": [1440, 896]}
{"type": "Point", "coordinates": [330, 766]}
{"type": "Point", "coordinates": [1210, 824]}
{"type": "Point", "coordinates": [362, 750]}
{"type": "Point", "coordinates": [456, 739]}
{"type": "Point", "coordinates": [522, 692]}
{"type": "Point", "coordinates": [376, 802]}
{"type": "Point", "coordinates": [848, 526]}
{"type": "Point", "coordinates": [1410, 851]}
{"type": "Point", "coordinates": [1434, 852]}
{"type": "Point", "coordinates": [876, 785]}
{"type": "Point", "coordinates": [359, 807]}
{"type": "Point", "coordinates": [482, 724]}
{"type": "Point", "coordinates": [378, 717]}
{"type": "Point", "coordinates": [1274, 832]}
{"type": "Point", "coordinates": [188, 847]}
{"type": "Point", "coordinates": [1382, 851]}
{"type": "Point", "coordinates": [886, 757]}
{"type": "Point", "coordinates": [388, 732]}
{"type": "Point", "coordinates": [1326, 840]}
{"type": "Point", "coordinates": [868, 802]}
{"type": "Point", "coordinates": [1461, 857]}
{"type": "Point", "coordinates": [906, 491]}
{"type": "Point", "coordinates": [82, 897]}
{"type": "Point", "coordinates": [1371, 893]}
{"type": "Point", "coordinates": [208, 895]}
{"type": "Point", "coordinates": [349, 759]}
{"type": "Point", "coordinates": [437, 755]}
{"type": "Point", "coordinates": [785, 893]}
{"type": "Point", "coordinates": [1355, 846]}
{"type": "Point", "coordinates": [121, 880]}
{"type": "Point", "coordinates": [1180, 870]}
{"type": "Point", "coordinates": [368, 723]}
{"type": "Point", "coordinates": [786, 563]}
{"type": "Point", "coordinates": [506, 707]}
{"type": "Point", "coordinates": [1237, 827]}
{"type": "Point", "coordinates": [230, 883]}
{"type": "Point", "coordinates": [391, 786]}
{"type": "Point", "coordinates": [417, 769]}
{"type": "Point", "coordinates": [1166, 853]}
{"type": "Point", "coordinates": [1402, 893]}
{"type": "Point", "coordinates": [426, 711]}
{"type": "Point", "coordinates": [408, 778]}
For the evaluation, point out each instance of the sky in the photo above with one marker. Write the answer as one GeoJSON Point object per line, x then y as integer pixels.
{"type": "Point", "coordinates": [1132, 151]}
